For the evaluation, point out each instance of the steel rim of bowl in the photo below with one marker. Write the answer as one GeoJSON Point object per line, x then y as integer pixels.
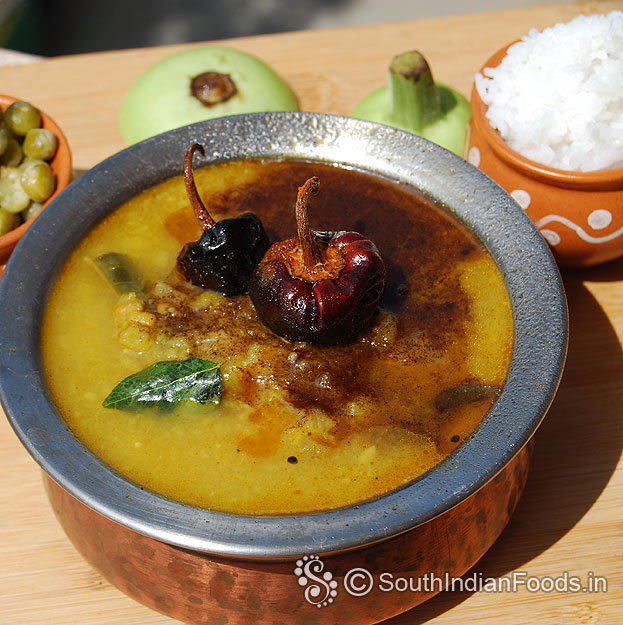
{"type": "Point", "coordinates": [532, 279]}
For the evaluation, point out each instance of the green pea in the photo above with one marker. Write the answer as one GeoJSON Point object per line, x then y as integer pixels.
{"type": "Point", "coordinates": [40, 143]}
{"type": "Point", "coordinates": [27, 161]}
{"type": "Point", "coordinates": [38, 181]}
{"type": "Point", "coordinates": [12, 155]}
{"type": "Point", "coordinates": [4, 125]}
{"type": "Point", "coordinates": [4, 140]}
{"type": "Point", "coordinates": [13, 197]}
{"type": "Point", "coordinates": [32, 210]}
{"type": "Point", "coordinates": [8, 221]}
{"type": "Point", "coordinates": [22, 117]}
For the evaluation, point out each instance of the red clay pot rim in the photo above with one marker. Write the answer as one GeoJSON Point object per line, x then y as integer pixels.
{"type": "Point", "coordinates": [603, 180]}
{"type": "Point", "coordinates": [61, 166]}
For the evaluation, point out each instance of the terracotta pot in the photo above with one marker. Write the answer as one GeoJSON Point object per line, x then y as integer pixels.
{"type": "Point", "coordinates": [580, 214]}
{"type": "Point", "coordinates": [204, 566]}
{"type": "Point", "coordinates": [61, 166]}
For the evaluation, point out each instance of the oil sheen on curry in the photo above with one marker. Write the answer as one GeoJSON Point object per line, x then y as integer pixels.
{"type": "Point", "coordinates": [300, 426]}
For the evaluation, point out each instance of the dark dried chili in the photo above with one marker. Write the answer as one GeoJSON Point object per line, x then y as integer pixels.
{"type": "Point", "coordinates": [228, 250]}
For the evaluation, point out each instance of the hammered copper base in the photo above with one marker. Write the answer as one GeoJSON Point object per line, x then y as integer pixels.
{"type": "Point", "coordinates": [201, 589]}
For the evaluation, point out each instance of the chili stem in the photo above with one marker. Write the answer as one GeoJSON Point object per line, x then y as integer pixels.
{"type": "Point", "coordinates": [201, 211]}
{"type": "Point", "coordinates": [311, 253]}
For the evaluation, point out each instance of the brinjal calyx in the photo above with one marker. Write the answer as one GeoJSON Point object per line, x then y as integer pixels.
{"type": "Point", "coordinates": [413, 101]}
{"type": "Point", "coordinates": [212, 88]}
{"type": "Point", "coordinates": [323, 287]}
{"type": "Point", "coordinates": [228, 250]}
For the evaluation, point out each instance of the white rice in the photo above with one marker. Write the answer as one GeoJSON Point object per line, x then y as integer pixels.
{"type": "Point", "coordinates": [557, 96]}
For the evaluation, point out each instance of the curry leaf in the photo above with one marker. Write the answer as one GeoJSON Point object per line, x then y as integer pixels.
{"type": "Point", "coordinates": [164, 384]}
{"type": "Point", "coordinates": [120, 271]}
{"type": "Point", "coordinates": [464, 394]}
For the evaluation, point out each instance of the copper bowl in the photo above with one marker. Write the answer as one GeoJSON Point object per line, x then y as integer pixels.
{"type": "Point", "coordinates": [204, 566]}
{"type": "Point", "coordinates": [580, 214]}
{"type": "Point", "coordinates": [61, 166]}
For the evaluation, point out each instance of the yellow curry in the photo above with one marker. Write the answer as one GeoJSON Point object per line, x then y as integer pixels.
{"type": "Point", "coordinates": [300, 427]}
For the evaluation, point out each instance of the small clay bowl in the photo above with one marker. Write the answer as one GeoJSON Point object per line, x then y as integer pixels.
{"type": "Point", "coordinates": [61, 166]}
{"type": "Point", "coordinates": [580, 214]}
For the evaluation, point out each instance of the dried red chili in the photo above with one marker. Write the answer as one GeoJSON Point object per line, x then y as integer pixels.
{"type": "Point", "coordinates": [323, 287]}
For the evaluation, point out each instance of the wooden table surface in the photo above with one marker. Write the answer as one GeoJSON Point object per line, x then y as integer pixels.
{"type": "Point", "coordinates": [570, 517]}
